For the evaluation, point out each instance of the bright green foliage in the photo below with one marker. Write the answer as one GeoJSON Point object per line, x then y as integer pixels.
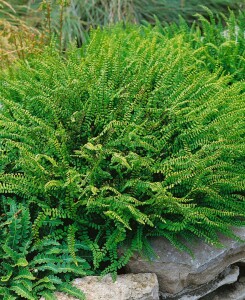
{"type": "Point", "coordinates": [27, 271]}
{"type": "Point", "coordinates": [126, 138]}
{"type": "Point", "coordinates": [219, 41]}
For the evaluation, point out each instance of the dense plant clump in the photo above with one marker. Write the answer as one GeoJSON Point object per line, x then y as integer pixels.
{"type": "Point", "coordinates": [127, 138]}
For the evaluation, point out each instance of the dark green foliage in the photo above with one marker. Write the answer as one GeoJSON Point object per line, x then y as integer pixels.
{"type": "Point", "coordinates": [30, 271]}
{"type": "Point", "coordinates": [188, 8]}
{"type": "Point", "coordinates": [81, 15]}
{"type": "Point", "coordinates": [78, 16]}
{"type": "Point", "coordinates": [128, 137]}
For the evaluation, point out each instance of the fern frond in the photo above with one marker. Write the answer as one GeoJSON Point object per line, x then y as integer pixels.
{"type": "Point", "coordinates": [71, 242]}
{"type": "Point", "coordinates": [22, 291]}
{"type": "Point", "coordinates": [72, 290]}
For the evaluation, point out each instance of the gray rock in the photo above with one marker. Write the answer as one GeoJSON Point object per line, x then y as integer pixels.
{"type": "Point", "coordinates": [126, 287]}
{"type": "Point", "coordinates": [242, 280]}
{"type": "Point", "coordinates": [234, 291]}
{"type": "Point", "coordinates": [177, 270]}
{"type": "Point", "coordinates": [229, 276]}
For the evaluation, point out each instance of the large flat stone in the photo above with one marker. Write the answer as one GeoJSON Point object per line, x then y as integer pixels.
{"type": "Point", "coordinates": [177, 270]}
{"type": "Point", "coordinates": [126, 287]}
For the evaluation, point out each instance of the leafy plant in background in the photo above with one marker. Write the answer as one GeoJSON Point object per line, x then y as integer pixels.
{"type": "Point", "coordinates": [188, 8]}
{"type": "Point", "coordinates": [126, 138]}
{"type": "Point", "coordinates": [78, 16]}
{"type": "Point", "coordinates": [17, 39]}
{"type": "Point", "coordinates": [220, 41]}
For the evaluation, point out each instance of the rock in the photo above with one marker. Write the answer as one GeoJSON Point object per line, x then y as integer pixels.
{"type": "Point", "coordinates": [234, 291]}
{"type": "Point", "coordinates": [230, 275]}
{"type": "Point", "coordinates": [177, 270]}
{"type": "Point", "coordinates": [126, 287]}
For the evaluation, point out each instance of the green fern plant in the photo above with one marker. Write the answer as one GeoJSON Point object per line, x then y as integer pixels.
{"type": "Point", "coordinates": [126, 138]}
{"type": "Point", "coordinates": [28, 271]}
{"type": "Point", "coordinates": [218, 39]}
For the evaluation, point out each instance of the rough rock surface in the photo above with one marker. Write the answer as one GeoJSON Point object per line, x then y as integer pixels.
{"type": "Point", "coordinates": [126, 287]}
{"type": "Point", "coordinates": [177, 270]}
{"type": "Point", "coordinates": [235, 291]}
{"type": "Point", "coordinates": [229, 276]}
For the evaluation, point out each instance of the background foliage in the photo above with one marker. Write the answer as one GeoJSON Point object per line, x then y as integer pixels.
{"type": "Point", "coordinates": [17, 38]}
{"type": "Point", "coordinates": [219, 39]}
{"type": "Point", "coordinates": [79, 15]}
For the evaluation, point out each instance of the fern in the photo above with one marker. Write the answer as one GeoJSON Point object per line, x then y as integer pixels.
{"type": "Point", "coordinates": [72, 290]}
{"type": "Point", "coordinates": [217, 39]}
{"type": "Point", "coordinates": [29, 274]}
{"type": "Point", "coordinates": [22, 291]}
{"type": "Point", "coordinates": [129, 137]}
